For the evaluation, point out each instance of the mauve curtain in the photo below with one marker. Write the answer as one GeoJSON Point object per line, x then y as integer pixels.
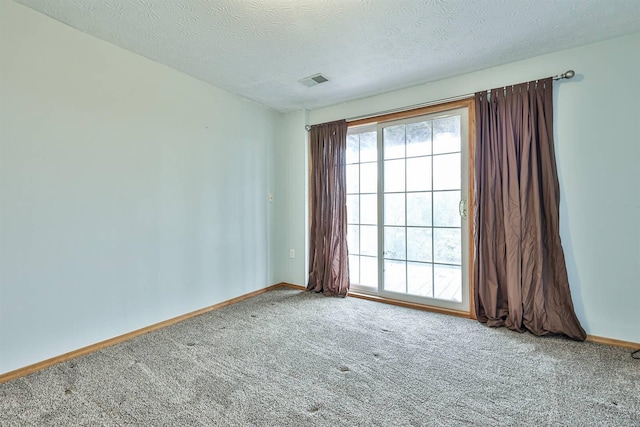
{"type": "Point", "coordinates": [328, 257]}
{"type": "Point", "coordinates": [519, 268]}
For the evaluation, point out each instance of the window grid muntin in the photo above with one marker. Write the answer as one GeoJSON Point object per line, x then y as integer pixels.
{"type": "Point", "coordinates": [431, 192]}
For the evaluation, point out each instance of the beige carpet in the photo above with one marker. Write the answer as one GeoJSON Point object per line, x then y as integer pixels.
{"type": "Point", "coordinates": [290, 358]}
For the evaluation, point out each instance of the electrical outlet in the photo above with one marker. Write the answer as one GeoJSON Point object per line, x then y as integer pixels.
{"type": "Point", "coordinates": [292, 253]}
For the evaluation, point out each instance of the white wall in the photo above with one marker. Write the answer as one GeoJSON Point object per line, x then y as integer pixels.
{"type": "Point", "coordinates": [597, 121]}
{"type": "Point", "coordinates": [290, 200]}
{"type": "Point", "coordinates": [129, 193]}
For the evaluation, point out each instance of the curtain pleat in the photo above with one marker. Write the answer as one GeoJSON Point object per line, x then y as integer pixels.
{"type": "Point", "coordinates": [520, 273]}
{"type": "Point", "coordinates": [328, 256]}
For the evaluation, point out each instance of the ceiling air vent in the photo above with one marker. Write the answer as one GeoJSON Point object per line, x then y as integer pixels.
{"type": "Point", "coordinates": [316, 79]}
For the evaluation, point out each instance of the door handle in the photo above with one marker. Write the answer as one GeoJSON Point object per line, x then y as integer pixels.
{"type": "Point", "coordinates": [462, 208]}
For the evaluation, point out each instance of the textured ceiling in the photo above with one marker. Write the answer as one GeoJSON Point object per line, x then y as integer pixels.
{"type": "Point", "coordinates": [259, 49]}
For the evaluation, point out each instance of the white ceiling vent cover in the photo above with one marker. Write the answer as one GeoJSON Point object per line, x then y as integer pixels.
{"type": "Point", "coordinates": [316, 79]}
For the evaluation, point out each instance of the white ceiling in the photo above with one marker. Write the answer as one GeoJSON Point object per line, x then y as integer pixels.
{"type": "Point", "coordinates": [259, 49]}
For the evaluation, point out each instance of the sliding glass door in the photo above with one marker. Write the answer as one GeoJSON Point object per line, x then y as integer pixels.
{"type": "Point", "coordinates": [407, 228]}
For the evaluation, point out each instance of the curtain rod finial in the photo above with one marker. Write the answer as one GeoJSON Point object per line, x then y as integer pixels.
{"type": "Point", "coordinates": [569, 74]}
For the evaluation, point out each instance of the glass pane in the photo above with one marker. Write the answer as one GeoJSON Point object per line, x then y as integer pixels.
{"type": "Point", "coordinates": [354, 269]}
{"type": "Point", "coordinates": [419, 209]}
{"type": "Point", "coordinates": [447, 246]}
{"type": "Point", "coordinates": [446, 135]}
{"type": "Point", "coordinates": [394, 209]}
{"type": "Point", "coordinates": [393, 139]}
{"type": "Point", "coordinates": [353, 239]}
{"type": "Point", "coordinates": [395, 278]}
{"type": "Point", "coordinates": [446, 211]}
{"type": "Point", "coordinates": [394, 242]}
{"type": "Point", "coordinates": [369, 271]}
{"type": "Point", "coordinates": [447, 282]}
{"type": "Point", "coordinates": [368, 178]}
{"type": "Point", "coordinates": [419, 139]}
{"type": "Point", "coordinates": [419, 244]}
{"type": "Point", "coordinates": [419, 279]}
{"type": "Point", "coordinates": [393, 175]}
{"type": "Point", "coordinates": [353, 148]}
{"type": "Point", "coordinates": [353, 178]}
{"type": "Point", "coordinates": [369, 209]}
{"type": "Point", "coordinates": [353, 209]}
{"type": "Point", "coordinates": [368, 147]}
{"type": "Point", "coordinates": [369, 240]}
{"type": "Point", "coordinates": [419, 174]}
{"type": "Point", "coordinates": [446, 172]}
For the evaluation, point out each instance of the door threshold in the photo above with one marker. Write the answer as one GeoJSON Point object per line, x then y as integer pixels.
{"type": "Point", "coordinates": [400, 303]}
{"type": "Point", "coordinates": [425, 307]}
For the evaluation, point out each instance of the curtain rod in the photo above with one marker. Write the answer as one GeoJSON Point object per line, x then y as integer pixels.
{"type": "Point", "coordinates": [569, 74]}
